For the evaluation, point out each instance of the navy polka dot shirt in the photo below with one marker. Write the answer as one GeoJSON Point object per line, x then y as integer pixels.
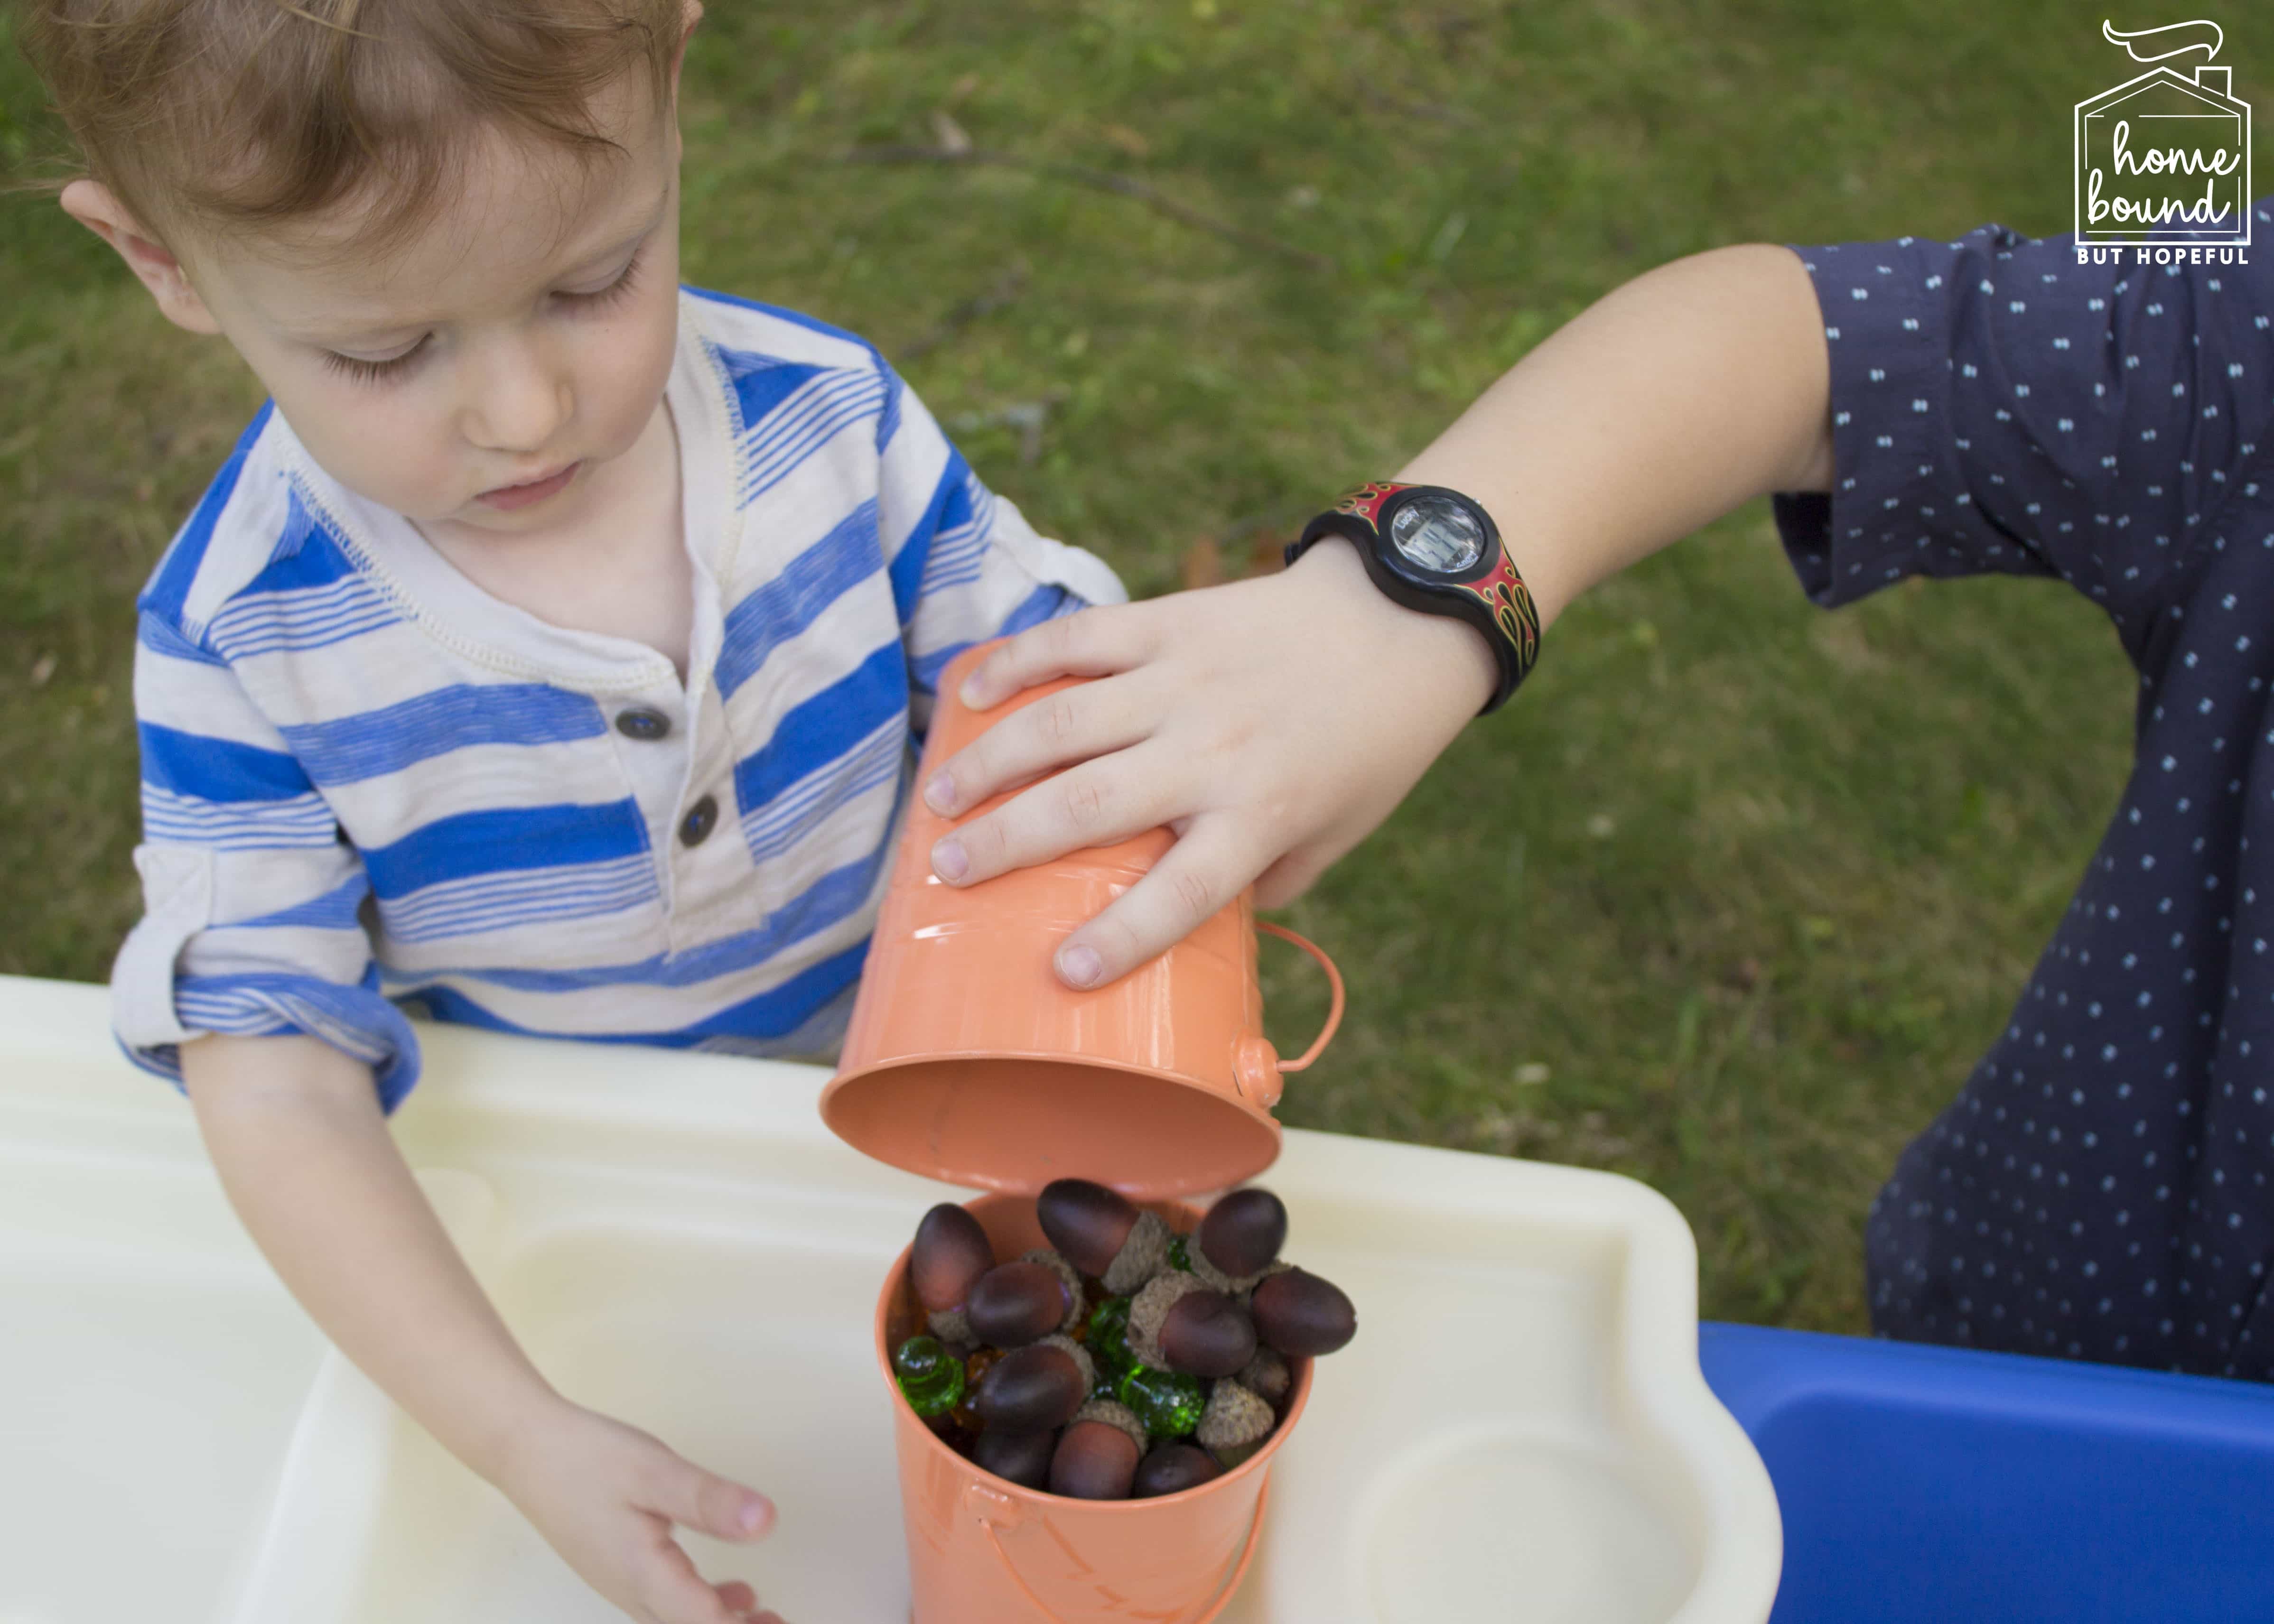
{"type": "Point", "coordinates": [2099, 1189]}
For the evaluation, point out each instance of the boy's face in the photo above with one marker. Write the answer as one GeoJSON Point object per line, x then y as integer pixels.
{"type": "Point", "coordinates": [479, 376]}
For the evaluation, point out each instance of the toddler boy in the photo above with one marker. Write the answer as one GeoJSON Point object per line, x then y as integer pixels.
{"type": "Point", "coordinates": [547, 654]}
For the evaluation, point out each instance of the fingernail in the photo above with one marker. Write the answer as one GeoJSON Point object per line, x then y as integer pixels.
{"type": "Point", "coordinates": [754, 1515]}
{"type": "Point", "coordinates": [1080, 966]}
{"type": "Point", "coordinates": [949, 861]}
{"type": "Point", "coordinates": [969, 693]}
{"type": "Point", "coordinates": [939, 794]}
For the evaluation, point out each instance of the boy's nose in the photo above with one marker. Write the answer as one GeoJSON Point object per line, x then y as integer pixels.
{"type": "Point", "coordinates": [518, 400]}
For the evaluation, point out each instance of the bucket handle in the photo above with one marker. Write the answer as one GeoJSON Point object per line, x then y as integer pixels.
{"type": "Point", "coordinates": [1333, 981]}
{"type": "Point", "coordinates": [1238, 1568]}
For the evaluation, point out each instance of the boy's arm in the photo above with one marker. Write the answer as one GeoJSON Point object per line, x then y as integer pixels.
{"type": "Point", "coordinates": [295, 1131]}
{"type": "Point", "coordinates": [1276, 722]}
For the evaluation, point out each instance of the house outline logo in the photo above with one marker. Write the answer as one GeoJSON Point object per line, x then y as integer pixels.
{"type": "Point", "coordinates": [2164, 160]}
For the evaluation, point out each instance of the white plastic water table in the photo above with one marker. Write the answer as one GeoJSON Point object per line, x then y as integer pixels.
{"type": "Point", "coordinates": [1520, 1431]}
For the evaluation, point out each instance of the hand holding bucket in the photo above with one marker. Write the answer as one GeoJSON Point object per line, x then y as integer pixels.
{"type": "Point", "coordinates": [967, 1060]}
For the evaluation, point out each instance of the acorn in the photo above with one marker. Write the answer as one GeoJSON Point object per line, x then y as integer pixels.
{"type": "Point", "coordinates": [1078, 1354]}
{"type": "Point", "coordinates": [1069, 1277]}
{"type": "Point", "coordinates": [1300, 1313]}
{"type": "Point", "coordinates": [1172, 1468]}
{"type": "Point", "coordinates": [1204, 1334]}
{"type": "Point", "coordinates": [1024, 1458]}
{"type": "Point", "coordinates": [951, 1252]}
{"type": "Point", "coordinates": [1086, 1221]}
{"type": "Point", "coordinates": [1115, 1414]}
{"type": "Point", "coordinates": [1033, 1389]}
{"type": "Point", "coordinates": [1239, 1239]}
{"type": "Point", "coordinates": [1143, 1255]}
{"type": "Point", "coordinates": [1149, 1308]}
{"type": "Point", "coordinates": [1234, 1423]}
{"type": "Point", "coordinates": [1267, 1376]}
{"type": "Point", "coordinates": [1094, 1460]}
{"type": "Point", "coordinates": [1014, 1304]}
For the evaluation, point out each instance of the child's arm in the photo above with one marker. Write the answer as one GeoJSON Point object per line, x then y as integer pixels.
{"type": "Point", "coordinates": [295, 1131]}
{"type": "Point", "coordinates": [1274, 723]}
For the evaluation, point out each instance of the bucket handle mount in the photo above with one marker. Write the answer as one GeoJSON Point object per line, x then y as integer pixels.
{"type": "Point", "coordinates": [997, 1511]}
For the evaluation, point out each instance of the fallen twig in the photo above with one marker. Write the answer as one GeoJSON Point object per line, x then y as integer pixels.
{"type": "Point", "coordinates": [1099, 180]}
{"type": "Point", "coordinates": [1005, 291]}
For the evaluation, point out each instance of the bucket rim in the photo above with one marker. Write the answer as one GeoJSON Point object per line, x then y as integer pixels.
{"type": "Point", "coordinates": [1299, 1393]}
{"type": "Point", "coordinates": [1023, 1183]}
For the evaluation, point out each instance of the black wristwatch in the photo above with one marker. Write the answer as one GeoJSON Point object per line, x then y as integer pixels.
{"type": "Point", "coordinates": [1435, 550]}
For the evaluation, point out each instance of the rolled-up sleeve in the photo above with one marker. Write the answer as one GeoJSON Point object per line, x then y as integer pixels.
{"type": "Point", "coordinates": [252, 902]}
{"type": "Point", "coordinates": [2000, 408]}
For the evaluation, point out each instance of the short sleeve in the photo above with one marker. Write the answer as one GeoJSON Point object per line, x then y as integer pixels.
{"type": "Point", "coordinates": [1998, 407]}
{"type": "Point", "coordinates": [964, 564]}
{"type": "Point", "coordinates": [252, 902]}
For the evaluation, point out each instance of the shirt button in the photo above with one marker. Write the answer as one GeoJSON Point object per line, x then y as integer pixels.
{"type": "Point", "coordinates": [641, 722]}
{"type": "Point", "coordinates": [701, 818]}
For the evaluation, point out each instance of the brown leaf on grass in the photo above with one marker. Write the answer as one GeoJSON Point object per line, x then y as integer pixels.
{"type": "Point", "coordinates": [948, 133]}
{"type": "Point", "coordinates": [1127, 140]}
{"type": "Point", "coordinates": [1268, 556]}
{"type": "Point", "coordinates": [960, 91]}
{"type": "Point", "coordinates": [1203, 563]}
{"type": "Point", "coordinates": [42, 669]}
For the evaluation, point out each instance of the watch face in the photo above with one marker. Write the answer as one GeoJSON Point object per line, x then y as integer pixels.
{"type": "Point", "coordinates": [1437, 534]}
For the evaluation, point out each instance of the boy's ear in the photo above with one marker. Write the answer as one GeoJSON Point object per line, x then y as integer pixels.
{"type": "Point", "coordinates": [691, 12]}
{"type": "Point", "coordinates": [95, 207]}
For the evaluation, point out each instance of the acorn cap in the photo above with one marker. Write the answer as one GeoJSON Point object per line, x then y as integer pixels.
{"type": "Point", "coordinates": [1143, 1255]}
{"type": "Point", "coordinates": [1082, 1362]}
{"type": "Point", "coordinates": [1232, 1285]}
{"type": "Point", "coordinates": [1149, 1307]}
{"type": "Point", "coordinates": [950, 1326]}
{"type": "Point", "coordinates": [1069, 1276]}
{"type": "Point", "coordinates": [1113, 1414]}
{"type": "Point", "coordinates": [1234, 1417]}
{"type": "Point", "coordinates": [1266, 1375]}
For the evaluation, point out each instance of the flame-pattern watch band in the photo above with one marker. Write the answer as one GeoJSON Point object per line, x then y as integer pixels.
{"type": "Point", "coordinates": [1489, 594]}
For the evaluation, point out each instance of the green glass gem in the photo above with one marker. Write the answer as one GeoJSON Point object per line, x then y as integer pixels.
{"type": "Point", "coordinates": [930, 1380]}
{"type": "Point", "coordinates": [1109, 1338]}
{"type": "Point", "coordinates": [1179, 1257]}
{"type": "Point", "coordinates": [1168, 1402]}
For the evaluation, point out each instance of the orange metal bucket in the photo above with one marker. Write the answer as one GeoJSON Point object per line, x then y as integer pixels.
{"type": "Point", "coordinates": [967, 1060]}
{"type": "Point", "coordinates": [984, 1551]}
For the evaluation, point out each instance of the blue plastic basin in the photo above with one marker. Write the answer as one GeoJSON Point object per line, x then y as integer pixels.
{"type": "Point", "coordinates": [1926, 1485]}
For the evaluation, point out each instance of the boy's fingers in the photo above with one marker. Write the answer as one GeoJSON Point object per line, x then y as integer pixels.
{"type": "Point", "coordinates": [1193, 880]}
{"type": "Point", "coordinates": [1075, 725]}
{"type": "Point", "coordinates": [738, 1596]}
{"type": "Point", "coordinates": [1094, 804]}
{"type": "Point", "coordinates": [699, 1499]}
{"type": "Point", "coordinates": [673, 1593]}
{"type": "Point", "coordinates": [1089, 642]}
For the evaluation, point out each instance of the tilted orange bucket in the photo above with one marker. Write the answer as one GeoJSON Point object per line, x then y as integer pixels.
{"type": "Point", "coordinates": [984, 1551]}
{"type": "Point", "coordinates": [967, 1060]}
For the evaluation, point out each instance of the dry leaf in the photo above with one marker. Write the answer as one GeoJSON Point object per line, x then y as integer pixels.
{"type": "Point", "coordinates": [1203, 563]}
{"type": "Point", "coordinates": [1128, 140]}
{"type": "Point", "coordinates": [948, 132]}
{"type": "Point", "coordinates": [1268, 557]}
{"type": "Point", "coordinates": [960, 91]}
{"type": "Point", "coordinates": [42, 669]}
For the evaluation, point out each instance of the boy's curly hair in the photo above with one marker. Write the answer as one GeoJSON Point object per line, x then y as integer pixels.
{"type": "Point", "coordinates": [241, 114]}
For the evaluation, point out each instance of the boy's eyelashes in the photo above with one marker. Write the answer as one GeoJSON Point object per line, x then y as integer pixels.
{"type": "Point", "coordinates": [393, 366]}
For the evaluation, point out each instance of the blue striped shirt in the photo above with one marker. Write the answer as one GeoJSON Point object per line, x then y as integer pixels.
{"type": "Point", "coordinates": [367, 784]}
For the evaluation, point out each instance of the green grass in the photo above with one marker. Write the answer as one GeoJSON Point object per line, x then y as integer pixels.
{"type": "Point", "coordinates": [1730, 901]}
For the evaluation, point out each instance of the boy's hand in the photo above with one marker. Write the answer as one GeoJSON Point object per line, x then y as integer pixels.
{"type": "Point", "coordinates": [1270, 724]}
{"type": "Point", "coordinates": [605, 1496]}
